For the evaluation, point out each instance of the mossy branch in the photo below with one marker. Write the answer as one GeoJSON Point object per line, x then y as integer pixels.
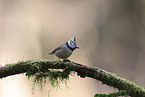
{"type": "Point", "coordinates": [44, 67]}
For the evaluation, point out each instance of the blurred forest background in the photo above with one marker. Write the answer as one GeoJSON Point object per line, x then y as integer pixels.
{"type": "Point", "coordinates": [110, 34]}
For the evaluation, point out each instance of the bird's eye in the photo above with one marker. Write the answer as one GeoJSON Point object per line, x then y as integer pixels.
{"type": "Point", "coordinates": [72, 43]}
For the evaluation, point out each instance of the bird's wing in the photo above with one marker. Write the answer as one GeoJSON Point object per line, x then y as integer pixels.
{"type": "Point", "coordinates": [58, 48]}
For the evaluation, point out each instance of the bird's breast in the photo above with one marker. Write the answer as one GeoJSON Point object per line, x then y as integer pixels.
{"type": "Point", "coordinates": [63, 53]}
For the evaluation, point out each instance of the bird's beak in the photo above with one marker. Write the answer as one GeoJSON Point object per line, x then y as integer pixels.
{"type": "Point", "coordinates": [77, 47]}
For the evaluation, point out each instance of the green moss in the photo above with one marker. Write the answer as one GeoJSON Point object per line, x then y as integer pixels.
{"type": "Point", "coordinates": [120, 83]}
{"type": "Point", "coordinates": [123, 93]}
{"type": "Point", "coordinates": [59, 72]}
{"type": "Point", "coordinates": [52, 76]}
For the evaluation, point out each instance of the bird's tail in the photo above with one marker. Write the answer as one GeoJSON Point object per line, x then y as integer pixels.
{"type": "Point", "coordinates": [51, 53]}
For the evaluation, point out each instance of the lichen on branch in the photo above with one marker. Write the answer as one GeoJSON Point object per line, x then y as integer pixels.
{"type": "Point", "coordinates": [53, 76]}
{"type": "Point", "coordinates": [56, 71]}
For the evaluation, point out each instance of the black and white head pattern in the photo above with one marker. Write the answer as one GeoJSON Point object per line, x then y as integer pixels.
{"type": "Point", "coordinates": [72, 44]}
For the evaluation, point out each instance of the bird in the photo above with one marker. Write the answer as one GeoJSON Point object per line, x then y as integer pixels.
{"type": "Point", "coordinates": [65, 50]}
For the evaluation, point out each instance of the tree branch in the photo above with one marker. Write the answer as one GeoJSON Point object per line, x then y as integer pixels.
{"type": "Point", "coordinates": [105, 77]}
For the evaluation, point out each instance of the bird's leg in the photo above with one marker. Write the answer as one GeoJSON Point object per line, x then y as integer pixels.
{"type": "Point", "coordinates": [59, 59]}
{"type": "Point", "coordinates": [66, 60]}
